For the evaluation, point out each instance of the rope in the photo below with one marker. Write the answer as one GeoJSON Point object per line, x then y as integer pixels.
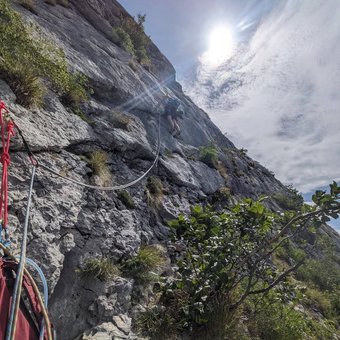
{"type": "Point", "coordinates": [13, 316]}
{"type": "Point", "coordinates": [45, 287]}
{"type": "Point", "coordinates": [36, 291]}
{"type": "Point", "coordinates": [7, 131]}
{"type": "Point", "coordinates": [117, 187]}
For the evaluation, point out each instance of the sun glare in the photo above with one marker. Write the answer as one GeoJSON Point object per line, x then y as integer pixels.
{"type": "Point", "coordinates": [221, 45]}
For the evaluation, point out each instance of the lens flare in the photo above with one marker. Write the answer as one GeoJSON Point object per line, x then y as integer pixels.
{"type": "Point", "coordinates": [221, 46]}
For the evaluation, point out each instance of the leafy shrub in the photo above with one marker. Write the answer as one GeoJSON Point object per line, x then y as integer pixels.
{"type": "Point", "coordinates": [143, 57]}
{"type": "Point", "coordinates": [291, 200]}
{"type": "Point", "coordinates": [126, 199]}
{"type": "Point", "coordinates": [131, 37]}
{"type": "Point", "coordinates": [121, 120]}
{"type": "Point", "coordinates": [316, 299]}
{"type": "Point", "coordinates": [25, 54]}
{"type": "Point", "coordinates": [75, 92]}
{"type": "Point", "coordinates": [279, 322]}
{"type": "Point", "coordinates": [123, 40]}
{"type": "Point", "coordinates": [209, 155]}
{"type": "Point", "coordinates": [142, 267]}
{"type": "Point", "coordinates": [322, 273]}
{"type": "Point", "coordinates": [102, 269]}
{"type": "Point", "coordinates": [228, 257]}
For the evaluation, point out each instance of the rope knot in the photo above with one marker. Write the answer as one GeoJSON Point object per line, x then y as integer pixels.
{"type": "Point", "coordinates": [5, 159]}
{"type": "Point", "coordinates": [10, 128]}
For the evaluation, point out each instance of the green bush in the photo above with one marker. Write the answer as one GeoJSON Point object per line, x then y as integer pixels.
{"type": "Point", "coordinates": [143, 57]}
{"type": "Point", "coordinates": [25, 54]}
{"type": "Point", "coordinates": [142, 267]}
{"type": "Point", "coordinates": [123, 40]}
{"type": "Point", "coordinates": [131, 37]}
{"type": "Point", "coordinates": [228, 258]}
{"type": "Point", "coordinates": [126, 199]}
{"type": "Point", "coordinates": [322, 273]}
{"type": "Point", "coordinates": [289, 200]}
{"type": "Point", "coordinates": [102, 269]}
{"type": "Point", "coordinates": [209, 155]}
{"type": "Point", "coordinates": [316, 299]}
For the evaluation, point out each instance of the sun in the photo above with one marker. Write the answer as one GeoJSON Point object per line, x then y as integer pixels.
{"type": "Point", "coordinates": [221, 45]}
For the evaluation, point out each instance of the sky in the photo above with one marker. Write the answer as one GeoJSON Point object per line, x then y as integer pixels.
{"type": "Point", "coordinates": [277, 93]}
{"type": "Point", "coordinates": [180, 28]}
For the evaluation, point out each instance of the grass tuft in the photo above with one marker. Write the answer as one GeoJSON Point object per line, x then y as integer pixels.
{"type": "Point", "coordinates": [121, 120]}
{"type": "Point", "coordinates": [102, 269]}
{"type": "Point", "coordinates": [98, 161]}
{"type": "Point", "coordinates": [28, 61]}
{"type": "Point", "coordinates": [126, 199]}
{"type": "Point", "coordinates": [28, 87]}
{"type": "Point", "coordinates": [154, 192]}
{"type": "Point", "coordinates": [143, 266]}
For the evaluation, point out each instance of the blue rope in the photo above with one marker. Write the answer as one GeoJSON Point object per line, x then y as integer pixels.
{"type": "Point", "coordinates": [45, 286]}
{"type": "Point", "coordinates": [6, 241]}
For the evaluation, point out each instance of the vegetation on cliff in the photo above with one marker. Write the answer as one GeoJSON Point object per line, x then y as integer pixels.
{"type": "Point", "coordinates": [229, 265]}
{"type": "Point", "coordinates": [29, 63]}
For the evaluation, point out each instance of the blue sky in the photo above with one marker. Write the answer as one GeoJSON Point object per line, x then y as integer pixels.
{"type": "Point", "coordinates": [286, 64]}
{"type": "Point", "coordinates": [180, 28]}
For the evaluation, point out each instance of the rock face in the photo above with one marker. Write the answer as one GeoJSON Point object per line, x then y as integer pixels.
{"type": "Point", "coordinates": [71, 224]}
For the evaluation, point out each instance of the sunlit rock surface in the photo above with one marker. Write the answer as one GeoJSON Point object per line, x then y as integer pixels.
{"type": "Point", "coordinates": [71, 224]}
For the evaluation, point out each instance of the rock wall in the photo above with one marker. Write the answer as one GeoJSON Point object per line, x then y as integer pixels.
{"type": "Point", "coordinates": [69, 223]}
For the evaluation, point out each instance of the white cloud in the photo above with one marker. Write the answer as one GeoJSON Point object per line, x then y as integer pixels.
{"type": "Point", "coordinates": [279, 97]}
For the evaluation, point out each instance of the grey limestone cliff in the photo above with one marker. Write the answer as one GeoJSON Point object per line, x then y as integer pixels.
{"type": "Point", "coordinates": [69, 223]}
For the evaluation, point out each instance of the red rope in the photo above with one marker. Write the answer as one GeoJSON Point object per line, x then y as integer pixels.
{"type": "Point", "coordinates": [7, 131]}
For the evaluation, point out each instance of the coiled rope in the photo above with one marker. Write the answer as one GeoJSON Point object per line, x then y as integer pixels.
{"type": "Point", "coordinates": [36, 291]}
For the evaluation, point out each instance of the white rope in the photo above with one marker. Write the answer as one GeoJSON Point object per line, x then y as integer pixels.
{"type": "Point", "coordinates": [116, 187]}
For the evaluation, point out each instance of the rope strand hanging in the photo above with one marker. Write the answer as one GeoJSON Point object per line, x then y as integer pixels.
{"type": "Point", "coordinates": [7, 131]}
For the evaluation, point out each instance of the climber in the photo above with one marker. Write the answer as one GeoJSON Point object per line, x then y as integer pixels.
{"type": "Point", "coordinates": [174, 111]}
